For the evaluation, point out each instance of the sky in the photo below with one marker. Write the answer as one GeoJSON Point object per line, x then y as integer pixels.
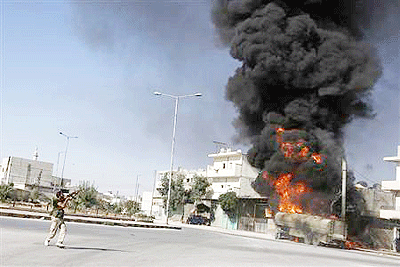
{"type": "Point", "coordinates": [89, 69]}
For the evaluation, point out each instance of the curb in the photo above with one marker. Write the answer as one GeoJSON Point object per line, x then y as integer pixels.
{"type": "Point", "coordinates": [90, 220]}
{"type": "Point", "coordinates": [270, 237]}
{"type": "Point", "coordinates": [177, 226]}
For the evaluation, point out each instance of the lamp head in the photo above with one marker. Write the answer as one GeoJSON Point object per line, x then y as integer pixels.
{"type": "Point", "coordinates": [198, 94]}
{"type": "Point", "coordinates": [157, 93]}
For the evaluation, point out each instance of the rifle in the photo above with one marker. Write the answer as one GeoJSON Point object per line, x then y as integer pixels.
{"type": "Point", "coordinates": [73, 194]}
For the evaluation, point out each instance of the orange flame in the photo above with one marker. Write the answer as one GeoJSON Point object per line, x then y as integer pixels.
{"type": "Point", "coordinates": [304, 151]}
{"type": "Point", "coordinates": [317, 158]}
{"type": "Point", "coordinates": [287, 149]}
{"type": "Point", "coordinates": [287, 191]}
{"type": "Point", "coordinates": [279, 132]}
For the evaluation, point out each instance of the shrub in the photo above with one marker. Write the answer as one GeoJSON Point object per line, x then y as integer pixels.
{"type": "Point", "coordinates": [229, 202]}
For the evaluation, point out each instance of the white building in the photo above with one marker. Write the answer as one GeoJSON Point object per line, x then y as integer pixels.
{"type": "Point", "coordinates": [112, 198]}
{"type": "Point", "coordinates": [188, 174]}
{"type": "Point", "coordinates": [393, 186]}
{"type": "Point", "coordinates": [152, 202]}
{"type": "Point", "coordinates": [28, 173]}
{"type": "Point", "coordinates": [231, 171]}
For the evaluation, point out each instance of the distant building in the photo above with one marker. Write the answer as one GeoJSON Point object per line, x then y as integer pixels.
{"type": "Point", "coordinates": [27, 174]}
{"type": "Point", "coordinates": [153, 203]}
{"type": "Point", "coordinates": [393, 186]}
{"type": "Point", "coordinates": [112, 198]}
{"type": "Point", "coordinates": [392, 216]}
{"type": "Point", "coordinates": [188, 174]}
{"type": "Point", "coordinates": [231, 171]}
{"type": "Point", "coordinates": [150, 205]}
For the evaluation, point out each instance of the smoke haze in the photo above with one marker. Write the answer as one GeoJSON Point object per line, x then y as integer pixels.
{"type": "Point", "coordinates": [305, 68]}
{"type": "Point", "coordinates": [108, 25]}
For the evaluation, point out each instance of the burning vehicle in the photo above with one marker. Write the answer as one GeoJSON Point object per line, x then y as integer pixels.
{"type": "Point", "coordinates": [305, 75]}
{"type": "Point", "coordinates": [291, 194]}
{"type": "Point", "coordinates": [313, 230]}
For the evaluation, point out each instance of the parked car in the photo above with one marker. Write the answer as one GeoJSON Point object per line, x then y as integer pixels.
{"type": "Point", "coordinates": [198, 219]}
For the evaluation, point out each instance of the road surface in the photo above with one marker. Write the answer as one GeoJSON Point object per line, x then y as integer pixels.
{"type": "Point", "coordinates": [21, 244]}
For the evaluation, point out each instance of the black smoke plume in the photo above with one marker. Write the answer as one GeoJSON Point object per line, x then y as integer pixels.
{"type": "Point", "coordinates": [305, 69]}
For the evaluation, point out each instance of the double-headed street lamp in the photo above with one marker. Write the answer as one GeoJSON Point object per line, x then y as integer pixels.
{"type": "Point", "coordinates": [173, 140]}
{"type": "Point", "coordinates": [55, 177]}
{"type": "Point", "coordinates": [65, 155]}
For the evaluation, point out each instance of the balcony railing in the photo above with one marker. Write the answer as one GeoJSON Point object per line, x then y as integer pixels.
{"type": "Point", "coordinates": [390, 214]}
{"type": "Point", "coordinates": [391, 185]}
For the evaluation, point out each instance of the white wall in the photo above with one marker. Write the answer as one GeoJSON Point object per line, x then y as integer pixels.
{"type": "Point", "coordinates": [146, 202]}
{"type": "Point", "coordinates": [25, 171]}
{"type": "Point", "coordinates": [231, 171]}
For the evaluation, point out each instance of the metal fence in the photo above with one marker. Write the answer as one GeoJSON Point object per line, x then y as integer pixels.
{"type": "Point", "coordinates": [258, 225]}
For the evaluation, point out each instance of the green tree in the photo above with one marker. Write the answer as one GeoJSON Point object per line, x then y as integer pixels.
{"type": "Point", "coordinates": [117, 208]}
{"type": "Point", "coordinates": [177, 191]}
{"type": "Point", "coordinates": [34, 195]}
{"type": "Point", "coordinates": [131, 207]}
{"type": "Point", "coordinates": [6, 191]}
{"type": "Point", "coordinates": [105, 206]}
{"type": "Point", "coordinates": [86, 198]}
{"type": "Point", "coordinates": [229, 202]}
{"type": "Point", "coordinates": [201, 188]}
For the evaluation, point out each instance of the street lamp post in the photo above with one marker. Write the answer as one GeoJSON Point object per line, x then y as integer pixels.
{"type": "Point", "coordinates": [173, 141]}
{"type": "Point", "coordinates": [65, 156]}
{"type": "Point", "coordinates": [55, 178]}
{"type": "Point", "coordinates": [137, 188]}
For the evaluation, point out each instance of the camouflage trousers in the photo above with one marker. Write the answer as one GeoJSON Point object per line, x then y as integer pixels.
{"type": "Point", "coordinates": [57, 224]}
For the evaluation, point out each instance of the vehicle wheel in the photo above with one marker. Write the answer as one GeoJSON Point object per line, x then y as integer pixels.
{"type": "Point", "coordinates": [315, 240]}
{"type": "Point", "coordinates": [308, 239]}
{"type": "Point", "coordinates": [278, 233]}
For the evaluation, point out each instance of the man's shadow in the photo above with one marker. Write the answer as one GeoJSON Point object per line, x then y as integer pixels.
{"type": "Point", "coordinates": [90, 248]}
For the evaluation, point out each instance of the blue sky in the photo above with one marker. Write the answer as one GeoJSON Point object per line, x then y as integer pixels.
{"type": "Point", "coordinates": [90, 71]}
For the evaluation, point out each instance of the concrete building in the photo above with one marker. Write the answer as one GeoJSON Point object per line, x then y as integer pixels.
{"type": "Point", "coordinates": [231, 171]}
{"type": "Point", "coordinates": [112, 198]}
{"type": "Point", "coordinates": [393, 186]}
{"type": "Point", "coordinates": [27, 174]}
{"type": "Point", "coordinates": [152, 202]}
{"type": "Point", "coordinates": [392, 215]}
{"type": "Point", "coordinates": [188, 174]}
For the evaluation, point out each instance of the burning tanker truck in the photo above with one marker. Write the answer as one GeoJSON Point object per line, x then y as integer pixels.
{"type": "Point", "coordinates": [300, 212]}
{"type": "Point", "coordinates": [305, 75]}
{"type": "Point", "coordinates": [313, 230]}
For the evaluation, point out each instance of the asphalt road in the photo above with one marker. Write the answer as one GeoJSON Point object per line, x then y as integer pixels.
{"type": "Point", "coordinates": [21, 244]}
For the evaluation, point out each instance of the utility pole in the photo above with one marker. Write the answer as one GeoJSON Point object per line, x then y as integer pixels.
{"type": "Point", "coordinates": [136, 188]}
{"type": "Point", "coordinates": [65, 156]}
{"type": "Point", "coordinates": [152, 193]}
{"type": "Point", "coordinates": [38, 180]}
{"type": "Point", "coordinates": [173, 143]}
{"type": "Point", "coordinates": [55, 182]}
{"type": "Point", "coordinates": [344, 181]}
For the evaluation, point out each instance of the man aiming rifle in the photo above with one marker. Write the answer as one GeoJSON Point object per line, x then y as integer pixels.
{"type": "Point", "coordinates": [57, 218]}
